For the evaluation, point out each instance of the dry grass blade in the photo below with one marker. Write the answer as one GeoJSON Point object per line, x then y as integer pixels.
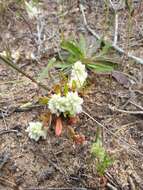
{"type": "Point", "coordinates": [14, 66]}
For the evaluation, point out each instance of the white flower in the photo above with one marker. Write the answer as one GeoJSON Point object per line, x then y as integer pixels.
{"type": "Point", "coordinates": [36, 130]}
{"type": "Point", "coordinates": [78, 74]}
{"type": "Point", "coordinates": [57, 104]}
{"type": "Point", "coordinates": [69, 104]}
{"type": "Point", "coordinates": [73, 103]}
{"type": "Point", "coordinates": [31, 9]}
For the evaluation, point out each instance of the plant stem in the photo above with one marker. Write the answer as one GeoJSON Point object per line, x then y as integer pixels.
{"type": "Point", "coordinates": [14, 66]}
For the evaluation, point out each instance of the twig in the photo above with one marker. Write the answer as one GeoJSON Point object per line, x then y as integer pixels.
{"type": "Point", "coordinates": [14, 66]}
{"type": "Point", "coordinates": [113, 108]}
{"type": "Point", "coordinates": [40, 31]}
{"type": "Point", "coordinates": [112, 4]}
{"type": "Point", "coordinates": [111, 179]}
{"type": "Point", "coordinates": [113, 134]}
{"type": "Point", "coordinates": [5, 159]}
{"type": "Point", "coordinates": [52, 163]}
{"type": "Point", "coordinates": [111, 187]}
{"type": "Point", "coordinates": [123, 127]}
{"type": "Point", "coordinates": [19, 109]}
{"type": "Point", "coordinates": [47, 188]}
{"type": "Point", "coordinates": [4, 121]}
{"type": "Point", "coordinates": [138, 106]}
{"type": "Point", "coordinates": [5, 181]}
{"type": "Point", "coordinates": [114, 46]}
{"type": "Point", "coordinates": [132, 185]}
{"type": "Point", "coordinates": [8, 131]}
{"type": "Point", "coordinates": [116, 29]}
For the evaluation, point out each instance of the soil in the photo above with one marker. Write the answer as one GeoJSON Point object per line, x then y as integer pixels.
{"type": "Point", "coordinates": [57, 161]}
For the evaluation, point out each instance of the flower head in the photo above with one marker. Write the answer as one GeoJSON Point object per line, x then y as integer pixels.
{"type": "Point", "coordinates": [73, 103]}
{"type": "Point", "coordinates": [70, 104]}
{"type": "Point", "coordinates": [36, 130]}
{"type": "Point", "coordinates": [57, 104]}
{"type": "Point", "coordinates": [78, 74]}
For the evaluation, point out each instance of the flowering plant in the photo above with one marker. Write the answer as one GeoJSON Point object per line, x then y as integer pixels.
{"type": "Point", "coordinates": [78, 75]}
{"type": "Point", "coordinates": [36, 130]}
{"type": "Point", "coordinates": [63, 102]}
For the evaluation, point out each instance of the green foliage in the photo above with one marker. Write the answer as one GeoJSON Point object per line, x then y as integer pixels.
{"type": "Point", "coordinates": [103, 160]}
{"type": "Point", "coordinates": [73, 51]}
{"type": "Point", "coordinates": [43, 100]}
{"type": "Point", "coordinates": [76, 51]}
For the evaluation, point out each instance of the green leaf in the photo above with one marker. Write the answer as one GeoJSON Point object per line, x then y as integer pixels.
{"type": "Point", "coordinates": [105, 49]}
{"type": "Point", "coordinates": [82, 45]}
{"type": "Point", "coordinates": [99, 67]}
{"type": "Point", "coordinates": [103, 160]}
{"type": "Point", "coordinates": [62, 66]}
{"type": "Point", "coordinates": [72, 48]}
{"type": "Point", "coordinates": [45, 72]}
{"type": "Point", "coordinates": [43, 100]}
{"type": "Point", "coordinates": [97, 149]}
{"type": "Point", "coordinates": [102, 166]}
{"type": "Point", "coordinates": [66, 89]}
{"type": "Point", "coordinates": [102, 64]}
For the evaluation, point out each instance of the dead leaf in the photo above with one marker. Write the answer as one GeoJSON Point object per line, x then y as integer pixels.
{"type": "Point", "coordinates": [71, 132]}
{"type": "Point", "coordinates": [121, 78]}
{"type": "Point", "coordinates": [46, 118]}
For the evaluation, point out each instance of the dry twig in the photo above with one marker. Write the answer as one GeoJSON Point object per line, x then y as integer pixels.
{"type": "Point", "coordinates": [114, 46]}
{"type": "Point", "coordinates": [14, 66]}
{"type": "Point", "coordinates": [113, 108]}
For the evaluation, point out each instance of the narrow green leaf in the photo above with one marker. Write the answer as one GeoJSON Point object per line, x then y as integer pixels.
{"type": "Point", "coordinates": [82, 45]}
{"type": "Point", "coordinates": [62, 66]}
{"type": "Point", "coordinates": [98, 67]}
{"type": "Point", "coordinates": [105, 49]}
{"type": "Point", "coordinates": [66, 89]}
{"type": "Point", "coordinates": [43, 100]}
{"type": "Point", "coordinates": [72, 48]}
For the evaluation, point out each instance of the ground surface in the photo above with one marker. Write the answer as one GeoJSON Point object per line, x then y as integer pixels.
{"type": "Point", "coordinates": [57, 162]}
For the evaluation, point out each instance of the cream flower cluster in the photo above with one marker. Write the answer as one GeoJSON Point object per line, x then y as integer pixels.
{"type": "Point", "coordinates": [36, 130]}
{"type": "Point", "coordinates": [70, 104]}
{"type": "Point", "coordinates": [78, 75]}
